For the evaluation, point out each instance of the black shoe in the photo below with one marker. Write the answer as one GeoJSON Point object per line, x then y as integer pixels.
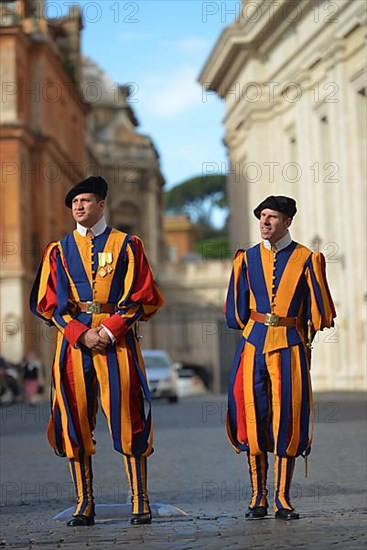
{"type": "Point", "coordinates": [141, 519]}
{"type": "Point", "coordinates": [258, 512]}
{"type": "Point", "coordinates": [286, 515]}
{"type": "Point", "coordinates": [80, 521]}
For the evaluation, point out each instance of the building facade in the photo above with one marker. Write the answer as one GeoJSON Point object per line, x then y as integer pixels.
{"type": "Point", "coordinates": [60, 122]}
{"type": "Point", "coordinates": [180, 237]}
{"type": "Point", "coordinates": [42, 133]}
{"type": "Point", "coordinates": [293, 78]}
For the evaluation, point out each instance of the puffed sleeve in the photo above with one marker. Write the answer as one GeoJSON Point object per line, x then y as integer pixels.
{"type": "Point", "coordinates": [321, 310]}
{"type": "Point", "coordinates": [141, 297]}
{"type": "Point", "coordinates": [237, 309]}
{"type": "Point", "coordinates": [49, 296]}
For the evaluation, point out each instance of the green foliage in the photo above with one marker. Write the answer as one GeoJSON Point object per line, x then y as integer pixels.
{"type": "Point", "coordinates": [197, 197]}
{"type": "Point", "coordinates": [216, 247]}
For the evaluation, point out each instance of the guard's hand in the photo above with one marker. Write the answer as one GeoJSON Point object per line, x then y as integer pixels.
{"type": "Point", "coordinates": [91, 339]}
{"type": "Point", "coordinates": [104, 335]}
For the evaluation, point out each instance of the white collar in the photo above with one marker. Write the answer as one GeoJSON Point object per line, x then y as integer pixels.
{"type": "Point", "coordinates": [282, 243]}
{"type": "Point", "coordinates": [97, 229]}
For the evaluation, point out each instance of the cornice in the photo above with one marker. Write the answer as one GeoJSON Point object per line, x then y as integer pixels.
{"type": "Point", "coordinates": [259, 38]}
{"type": "Point", "coordinates": [230, 44]}
{"type": "Point", "coordinates": [16, 32]}
{"type": "Point", "coordinates": [238, 38]}
{"type": "Point", "coordinates": [18, 131]}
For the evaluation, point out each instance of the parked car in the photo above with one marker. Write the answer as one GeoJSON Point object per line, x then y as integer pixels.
{"type": "Point", "coordinates": [203, 372]}
{"type": "Point", "coordinates": [189, 383]}
{"type": "Point", "coordinates": [162, 374]}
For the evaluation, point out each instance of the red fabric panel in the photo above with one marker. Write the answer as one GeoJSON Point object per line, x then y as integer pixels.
{"type": "Point", "coordinates": [69, 386]}
{"type": "Point", "coordinates": [117, 325]}
{"type": "Point", "coordinates": [143, 290]}
{"type": "Point", "coordinates": [74, 330]}
{"type": "Point", "coordinates": [49, 300]}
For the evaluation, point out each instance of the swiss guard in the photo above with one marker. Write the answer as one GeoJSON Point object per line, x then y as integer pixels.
{"type": "Point", "coordinates": [278, 296]}
{"type": "Point", "coordinates": [94, 285]}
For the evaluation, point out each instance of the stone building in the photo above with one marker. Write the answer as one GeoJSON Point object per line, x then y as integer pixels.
{"type": "Point", "coordinates": [180, 237]}
{"type": "Point", "coordinates": [42, 132]}
{"type": "Point", "coordinates": [293, 78]}
{"type": "Point", "coordinates": [191, 325]}
{"type": "Point", "coordinates": [61, 120]}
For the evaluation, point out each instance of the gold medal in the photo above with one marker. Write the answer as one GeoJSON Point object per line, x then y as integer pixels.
{"type": "Point", "coordinates": [104, 261]}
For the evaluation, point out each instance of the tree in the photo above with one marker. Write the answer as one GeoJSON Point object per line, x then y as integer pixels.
{"type": "Point", "coordinates": [198, 197]}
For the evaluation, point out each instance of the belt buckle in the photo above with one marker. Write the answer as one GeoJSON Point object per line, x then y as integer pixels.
{"type": "Point", "coordinates": [271, 320]}
{"type": "Point", "coordinates": [94, 307]}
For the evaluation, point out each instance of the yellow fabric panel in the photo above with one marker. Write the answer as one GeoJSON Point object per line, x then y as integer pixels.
{"type": "Point", "coordinates": [249, 397]}
{"type": "Point", "coordinates": [296, 401]}
{"type": "Point", "coordinates": [273, 363]}
{"type": "Point", "coordinates": [126, 433]}
{"type": "Point", "coordinates": [84, 245]}
{"type": "Point", "coordinates": [267, 260]}
{"type": "Point", "coordinates": [311, 428]}
{"type": "Point", "coordinates": [248, 328]}
{"type": "Point", "coordinates": [289, 281]}
{"type": "Point", "coordinates": [255, 480]}
{"type": "Point", "coordinates": [276, 338]}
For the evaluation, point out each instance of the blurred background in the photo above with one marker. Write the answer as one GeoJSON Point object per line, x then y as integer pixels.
{"type": "Point", "coordinates": [193, 111]}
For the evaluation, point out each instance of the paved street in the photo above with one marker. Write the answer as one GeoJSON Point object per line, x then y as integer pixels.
{"type": "Point", "coordinates": [195, 469]}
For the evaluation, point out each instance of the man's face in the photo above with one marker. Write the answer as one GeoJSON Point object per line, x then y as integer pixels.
{"type": "Point", "coordinates": [273, 225]}
{"type": "Point", "coordinates": [86, 209]}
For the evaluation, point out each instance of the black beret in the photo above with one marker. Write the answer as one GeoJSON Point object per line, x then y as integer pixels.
{"type": "Point", "coordinates": [93, 184]}
{"type": "Point", "coordinates": [285, 205]}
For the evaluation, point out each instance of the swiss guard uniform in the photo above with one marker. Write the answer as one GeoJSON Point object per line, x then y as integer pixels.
{"type": "Point", "coordinates": [84, 283]}
{"type": "Point", "coordinates": [278, 299]}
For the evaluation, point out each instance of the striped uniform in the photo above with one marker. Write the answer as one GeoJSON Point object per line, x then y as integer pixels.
{"type": "Point", "coordinates": [69, 273]}
{"type": "Point", "coordinates": [270, 396]}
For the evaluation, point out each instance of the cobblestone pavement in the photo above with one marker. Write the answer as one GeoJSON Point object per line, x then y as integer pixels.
{"type": "Point", "coordinates": [195, 469]}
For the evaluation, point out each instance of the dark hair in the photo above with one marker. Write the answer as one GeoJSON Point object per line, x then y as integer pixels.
{"type": "Point", "coordinates": [98, 197]}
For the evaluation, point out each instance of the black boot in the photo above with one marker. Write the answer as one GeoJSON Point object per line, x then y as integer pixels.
{"type": "Point", "coordinates": [286, 515]}
{"type": "Point", "coordinates": [259, 512]}
{"type": "Point", "coordinates": [81, 521]}
{"type": "Point", "coordinates": [141, 519]}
